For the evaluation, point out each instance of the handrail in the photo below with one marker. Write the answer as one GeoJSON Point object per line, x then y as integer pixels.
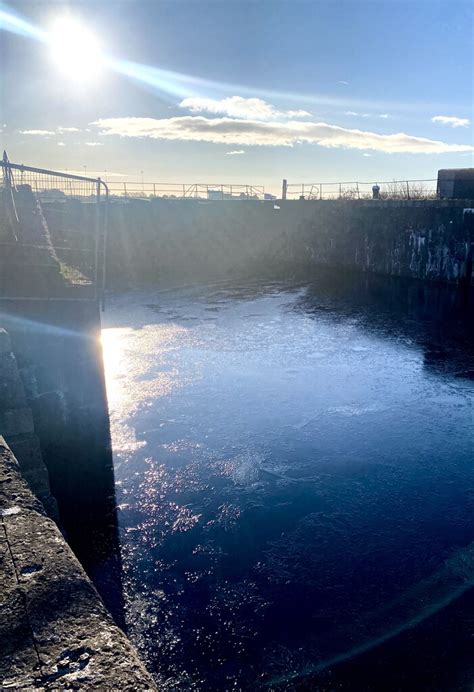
{"type": "Point", "coordinates": [414, 188]}
{"type": "Point", "coordinates": [45, 171]}
{"type": "Point", "coordinates": [147, 190]}
{"type": "Point", "coordinates": [367, 182]}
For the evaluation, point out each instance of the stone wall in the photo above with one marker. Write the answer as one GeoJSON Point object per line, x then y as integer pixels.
{"type": "Point", "coordinates": [164, 240]}
{"type": "Point", "coordinates": [16, 424]}
{"type": "Point", "coordinates": [62, 394]}
{"type": "Point", "coordinates": [55, 631]}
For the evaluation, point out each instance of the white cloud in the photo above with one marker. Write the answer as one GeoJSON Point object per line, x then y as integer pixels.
{"type": "Point", "coordinates": [368, 155]}
{"type": "Point", "coordinates": [61, 144]}
{"type": "Point", "coordinates": [240, 107]}
{"type": "Point", "coordinates": [342, 81]}
{"type": "Point", "coordinates": [38, 133]}
{"type": "Point", "coordinates": [235, 152]}
{"type": "Point", "coordinates": [49, 133]}
{"type": "Point", "coordinates": [451, 120]}
{"type": "Point", "coordinates": [257, 133]}
{"type": "Point", "coordinates": [358, 115]}
{"type": "Point", "coordinates": [368, 115]}
{"type": "Point", "coordinates": [94, 144]}
{"type": "Point", "coordinates": [296, 114]}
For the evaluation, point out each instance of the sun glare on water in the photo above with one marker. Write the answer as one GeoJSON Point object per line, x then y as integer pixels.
{"type": "Point", "coordinates": [75, 51]}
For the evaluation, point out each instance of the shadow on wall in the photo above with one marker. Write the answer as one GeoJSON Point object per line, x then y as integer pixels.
{"type": "Point", "coordinates": [58, 351]}
{"type": "Point", "coordinates": [185, 240]}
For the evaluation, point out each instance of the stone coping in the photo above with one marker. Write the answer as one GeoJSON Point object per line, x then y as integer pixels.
{"type": "Point", "coordinates": [55, 631]}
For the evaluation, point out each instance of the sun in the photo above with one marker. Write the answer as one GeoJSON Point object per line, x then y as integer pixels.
{"type": "Point", "coordinates": [75, 51]}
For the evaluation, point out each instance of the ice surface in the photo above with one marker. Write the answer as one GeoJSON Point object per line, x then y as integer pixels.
{"type": "Point", "coordinates": [295, 474]}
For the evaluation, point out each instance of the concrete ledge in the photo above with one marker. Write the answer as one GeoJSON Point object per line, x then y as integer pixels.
{"type": "Point", "coordinates": [55, 631]}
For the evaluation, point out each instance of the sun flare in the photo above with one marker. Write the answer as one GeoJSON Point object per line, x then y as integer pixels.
{"type": "Point", "coordinates": [75, 50]}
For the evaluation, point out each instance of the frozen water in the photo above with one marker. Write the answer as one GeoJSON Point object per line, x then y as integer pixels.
{"type": "Point", "coordinates": [294, 473]}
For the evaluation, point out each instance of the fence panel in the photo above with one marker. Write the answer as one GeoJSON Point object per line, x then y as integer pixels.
{"type": "Point", "coordinates": [394, 189]}
{"type": "Point", "coordinates": [45, 232]}
{"type": "Point", "coordinates": [201, 191]}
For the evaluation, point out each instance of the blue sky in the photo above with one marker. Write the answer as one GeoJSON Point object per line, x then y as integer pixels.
{"type": "Point", "coordinates": [309, 91]}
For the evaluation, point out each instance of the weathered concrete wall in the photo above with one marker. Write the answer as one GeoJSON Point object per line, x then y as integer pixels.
{"type": "Point", "coordinates": [176, 240]}
{"type": "Point", "coordinates": [16, 424]}
{"type": "Point", "coordinates": [55, 632]}
{"type": "Point", "coordinates": [423, 240]}
{"type": "Point", "coordinates": [58, 353]}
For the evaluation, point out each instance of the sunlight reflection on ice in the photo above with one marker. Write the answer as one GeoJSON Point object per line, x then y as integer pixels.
{"type": "Point", "coordinates": [135, 372]}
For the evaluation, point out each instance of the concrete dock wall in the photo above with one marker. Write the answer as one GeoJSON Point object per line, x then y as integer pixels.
{"type": "Point", "coordinates": [162, 240]}
{"type": "Point", "coordinates": [16, 423]}
{"type": "Point", "coordinates": [55, 631]}
{"type": "Point", "coordinates": [57, 353]}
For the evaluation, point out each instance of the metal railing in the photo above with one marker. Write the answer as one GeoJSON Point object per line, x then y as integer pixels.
{"type": "Point", "coordinates": [393, 189]}
{"type": "Point", "coordinates": [43, 229]}
{"type": "Point", "coordinates": [202, 191]}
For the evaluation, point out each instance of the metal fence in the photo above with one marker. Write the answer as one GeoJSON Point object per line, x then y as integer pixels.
{"type": "Point", "coordinates": [42, 233]}
{"type": "Point", "coordinates": [203, 191]}
{"type": "Point", "coordinates": [394, 189]}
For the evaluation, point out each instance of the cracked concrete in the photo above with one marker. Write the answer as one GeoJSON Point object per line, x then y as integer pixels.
{"type": "Point", "coordinates": [56, 633]}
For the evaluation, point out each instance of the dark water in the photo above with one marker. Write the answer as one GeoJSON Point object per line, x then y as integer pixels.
{"type": "Point", "coordinates": [294, 473]}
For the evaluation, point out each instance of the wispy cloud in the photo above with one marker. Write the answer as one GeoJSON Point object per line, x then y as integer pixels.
{"type": "Point", "coordinates": [240, 107]}
{"type": "Point", "coordinates": [94, 144]}
{"type": "Point", "coordinates": [385, 116]}
{"type": "Point", "coordinates": [235, 152]}
{"type": "Point", "coordinates": [451, 120]}
{"type": "Point", "coordinates": [342, 81]}
{"type": "Point", "coordinates": [357, 115]}
{"type": "Point", "coordinates": [61, 144]}
{"type": "Point", "coordinates": [50, 133]}
{"type": "Point", "coordinates": [244, 132]}
{"type": "Point", "coordinates": [38, 133]}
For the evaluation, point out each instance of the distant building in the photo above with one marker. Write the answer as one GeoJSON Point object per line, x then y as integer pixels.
{"type": "Point", "coordinates": [456, 183]}
{"type": "Point", "coordinates": [215, 194]}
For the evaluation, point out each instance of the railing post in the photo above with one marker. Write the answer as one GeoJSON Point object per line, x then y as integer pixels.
{"type": "Point", "coordinates": [284, 188]}
{"type": "Point", "coordinates": [104, 244]}
{"type": "Point", "coordinates": [154, 190]}
{"type": "Point", "coordinates": [320, 191]}
{"type": "Point", "coordinates": [97, 236]}
{"type": "Point", "coordinates": [408, 190]}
